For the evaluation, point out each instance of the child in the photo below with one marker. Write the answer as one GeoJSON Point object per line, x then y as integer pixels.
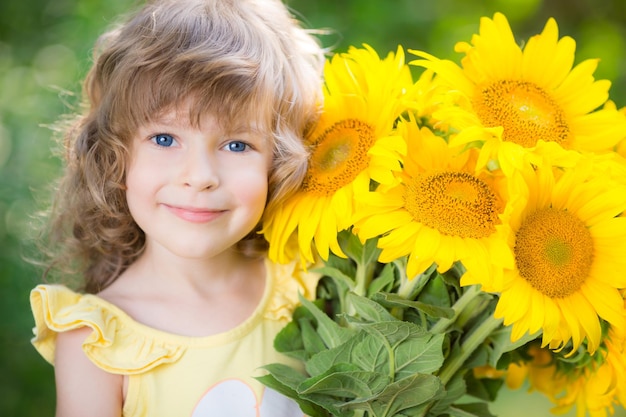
{"type": "Point", "coordinates": [191, 134]}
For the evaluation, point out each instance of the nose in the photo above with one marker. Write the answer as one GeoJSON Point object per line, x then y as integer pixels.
{"type": "Point", "coordinates": [200, 171]}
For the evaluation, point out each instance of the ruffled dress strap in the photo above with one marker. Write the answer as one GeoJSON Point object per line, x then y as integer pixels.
{"type": "Point", "coordinates": [114, 344]}
{"type": "Point", "coordinates": [289, 280]}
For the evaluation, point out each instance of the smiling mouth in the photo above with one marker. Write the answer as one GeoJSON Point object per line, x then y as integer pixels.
{"type": "Point", "coordinates": [195, 215]}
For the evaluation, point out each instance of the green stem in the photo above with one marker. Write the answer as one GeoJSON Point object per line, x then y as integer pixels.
{"type": "Point", "coordinates": [409, 288]}
{"type": "Point", "coordinates": [458, 307]}
{"type": "Point", "coordinates": [361, 279]}
{"type": "Point", "coordinates": [468, 346]}
{"type": "Point", "coordinates": [363, 276]}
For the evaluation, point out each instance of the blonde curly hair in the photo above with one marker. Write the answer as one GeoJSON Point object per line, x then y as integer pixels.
{"type": "Point", "coordinates": [240, 60]}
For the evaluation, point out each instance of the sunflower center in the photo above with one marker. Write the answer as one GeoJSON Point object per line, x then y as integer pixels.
{"type": "Point", "coordinates": [454, 203]}
{"type": "Point", "coordinates": [525, 111]}
{"type": "Point", "coordinates": [339, 155]}
{"type": "Point", "coordinates": [554, 252]}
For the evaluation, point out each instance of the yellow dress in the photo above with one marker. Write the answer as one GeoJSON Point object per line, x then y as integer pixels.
{"type": "Point", "coordinates": [172, 375]}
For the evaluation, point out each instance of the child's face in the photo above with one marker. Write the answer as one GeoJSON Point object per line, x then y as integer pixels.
{"type": "Point", "coordinates": [196, 191]}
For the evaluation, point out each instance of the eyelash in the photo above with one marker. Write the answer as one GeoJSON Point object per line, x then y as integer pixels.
{"type": "Point", "coordinates": [155, 139]}
{"type": "Point", "coordinates": [237, 142]}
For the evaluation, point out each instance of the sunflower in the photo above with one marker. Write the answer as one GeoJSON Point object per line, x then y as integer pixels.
{"type": "Point", "coordinates": [441, 212]}
{"type": "Point", "coordinates": [569, 257]}
{"type": "Point", "coordinates": [594, 384]}
{"type": "Point", "coordinates": [540, 370]}
{"type": "Point", "coordinates": [594, 391]}
{"type": "Point", "coordinates": [616, 362]}
{"type": "Point", "coordinates": [519, 103]}
{"type": "Point", "coordinates": [352, 144]}
{"type": "Point", "coordinates": [621, 146]}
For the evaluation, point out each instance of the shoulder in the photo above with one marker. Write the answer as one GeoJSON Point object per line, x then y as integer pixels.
{"type": "Point", "coordinates": [69, 353]}
{"type": "Point", "coordinates": [64, 317]}
{"type": "Point", "coordinates": [81, 385]}
{"type": "Point", "coordinates": [66, 321]}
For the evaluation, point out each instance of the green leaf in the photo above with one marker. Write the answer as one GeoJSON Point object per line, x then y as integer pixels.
{"type": "Point", "coordinates": [483, 388]}
{"type": "Point", "coordinates": [394, 332]}
{"type": "Point", "coordinates": [436, 293]}
{"type": "Point", "coordinates": [374, 354]}
{"type": "Point", "coordinates": [501, 342]}
{"type": "Point", "coordinates": [383, 282]}
{"type": "Point", "coordinates": [411, 392]}
{"type": "Point", "coordinates": [330, 332]}
{"type": "Point", "coordinates": [391, 300]}
{"type": "Point", "coordinates": [344, 353]}
{"type": "Point", "coordinates": [370, 252]}
{"type": "Point", "coordinates": [479, 357]}
{"type": "Point", "coordinates": [453, 275]}
{"type": "Point", "coordinates": [470, 410]}
{"type": "Point", "coordinates": [368, 352]}
{"type": "Point", "coordinates": [455, 389]}
{"type": "Point", "coordinates": [409, 348]}
{"type": "Point", "coordinates": [395, 348]}
{"type": "Point", "coordinates": [285, 375]}
{"type": "Point", "coordinates": [299, 339]}
{"type": "Point", "coordinates": [344, 381]}
{"type": "Point", "coordinates": [311, 339]}
{"type": "Point", "coordinates": [343, 282]}
{"type": "Point", "coordinates": [345, 265]}
{"type": "Point", "coordinates": [350, 244]}
{"type": "Point", "coordinates": [405, 394]}
{"type": "Point", "coordinates": [423, 354]}
{"type": "Point", "coordinates": [289, 341]}
{"type": "Point", "coordinates": [367, 309]}
{"type": "Point", "coordinates": [362, 253]}
{"type": "Point", "coordinates": [284, 380]}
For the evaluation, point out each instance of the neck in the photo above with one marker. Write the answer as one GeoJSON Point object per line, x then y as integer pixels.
{"type": "Point", "coordinates": [177, 294]}
{"type": "Point", "coordinates": [164, 272]}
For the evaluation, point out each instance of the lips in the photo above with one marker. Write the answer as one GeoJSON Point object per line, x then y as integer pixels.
{"type": "Point", "coordinates": [195, 215]}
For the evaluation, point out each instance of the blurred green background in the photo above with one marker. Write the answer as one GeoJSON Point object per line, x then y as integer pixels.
{"type": "Point", "coordinates": [45, 50]}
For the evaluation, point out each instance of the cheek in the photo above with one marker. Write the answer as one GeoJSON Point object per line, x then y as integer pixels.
{"type": "Point", "coordinates": [141, 182]}
{"type": "Point", "coordinates": [259, 195]}
{"type": "Point", "coordinates": [136, 198]}
{"type": "Point", "coordinates": [252, 192]}
{"type": "Point", "coordinates": [145, 171]}
{"type": "Point", "coordinates": [135, 184]}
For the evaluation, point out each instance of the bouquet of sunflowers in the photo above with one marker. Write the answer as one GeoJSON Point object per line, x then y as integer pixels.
{"type": "Point", "coordinates": [469, 226]}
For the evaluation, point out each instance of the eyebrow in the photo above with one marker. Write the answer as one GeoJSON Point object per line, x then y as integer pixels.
{"type": "Point", "coordinates": [184, 117]}
{"type": "Point", "coordinates": [230, 129]}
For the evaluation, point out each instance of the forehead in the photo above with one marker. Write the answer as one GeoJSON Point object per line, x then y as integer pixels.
{"type": "Point", "coordinates": [189, 114]}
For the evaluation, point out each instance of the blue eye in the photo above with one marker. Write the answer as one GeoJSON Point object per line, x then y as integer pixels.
{"type": "Point", "coordinates": [163, 139]}
{"type": "Point", "coordinates": [237, 146]}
